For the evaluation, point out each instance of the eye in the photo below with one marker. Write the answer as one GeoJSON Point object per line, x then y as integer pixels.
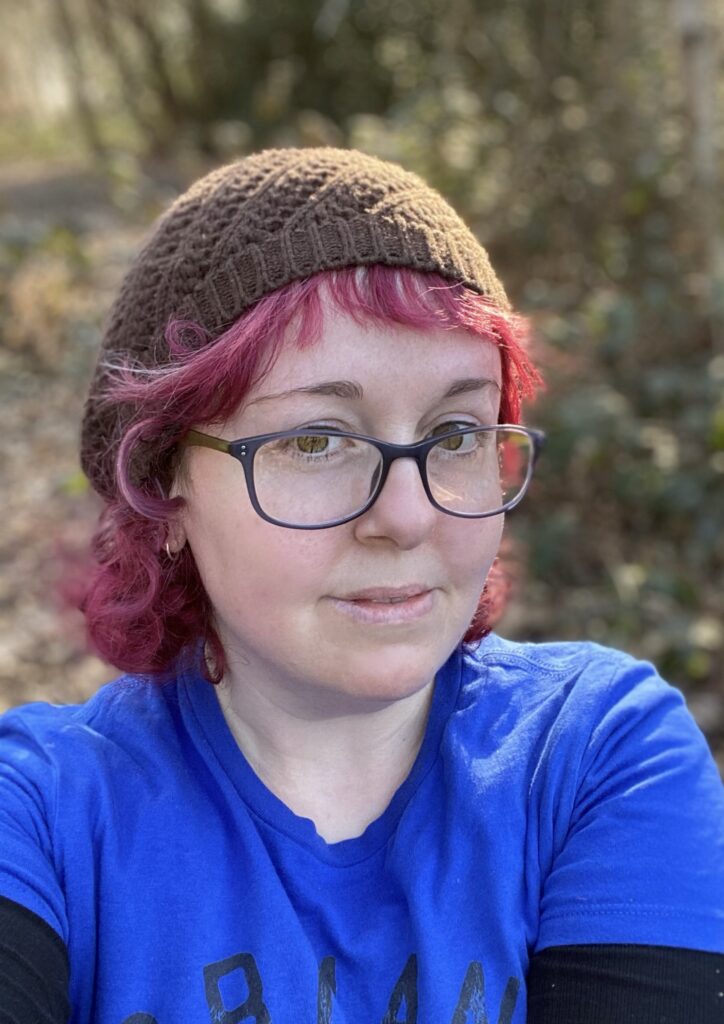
{"type": "Point", "coordinates": [312, 444]}
{"type": "Point", "coordinates": [448, 425]}
{"type": "Point", "coordinates": [462, 444]}
{"type": "Point", "coordinates": [453, 443]}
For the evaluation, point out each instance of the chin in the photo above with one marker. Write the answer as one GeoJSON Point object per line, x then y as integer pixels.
{"type": "Point", "coordinates": [389, 674]}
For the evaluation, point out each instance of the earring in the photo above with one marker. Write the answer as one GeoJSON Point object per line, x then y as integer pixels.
{"type": "Point", "coordinates": [171, 555]}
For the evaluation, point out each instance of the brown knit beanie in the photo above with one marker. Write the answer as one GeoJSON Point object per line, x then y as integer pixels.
{"type": "Point", "coordinates": [251, 227]}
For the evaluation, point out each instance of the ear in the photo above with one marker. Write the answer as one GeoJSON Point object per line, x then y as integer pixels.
{"type": "Point", "coordinates": [176, 537]}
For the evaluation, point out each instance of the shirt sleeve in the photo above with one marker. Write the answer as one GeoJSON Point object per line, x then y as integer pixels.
{"type": "Point", "coordinates": [610, 984]}
{"type": "Point", "coordinates": [28, 789]}
{"type": "Point", "coordinates": [638, 837]}
{"type": "Point", "coordinates": [34, 969]}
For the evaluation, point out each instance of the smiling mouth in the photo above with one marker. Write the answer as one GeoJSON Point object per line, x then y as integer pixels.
{"type": "Point", "coordinates": [387, 595]}
{"type": "Point", "coordinates": [386, 607]}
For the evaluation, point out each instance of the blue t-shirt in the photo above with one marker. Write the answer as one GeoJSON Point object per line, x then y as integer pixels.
{"type": "Point", "coordinates": [562, 794]}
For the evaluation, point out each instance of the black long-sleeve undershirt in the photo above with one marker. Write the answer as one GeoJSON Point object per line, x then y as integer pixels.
{"type": "Point", "coordinates": [592, 984]}
{"type": "Point", "coordinates": [34, 969]}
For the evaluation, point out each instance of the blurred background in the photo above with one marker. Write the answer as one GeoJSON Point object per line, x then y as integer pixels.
{"type": "Point", "coordinates": [581, 140]}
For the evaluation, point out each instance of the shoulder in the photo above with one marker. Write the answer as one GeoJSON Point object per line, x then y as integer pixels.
{"type": "Point", "coordinates": [119, 720]}
{"type": "Point", "coordinates": [571, 680]}
{"type": "Point", "coordinates": [64, 772]}
{"type": "Point", "coordinates": [553, 661]}
{"type": "Point", "coordinates": [131, 697]}
{"type": "Point", "coordinates": [581, 716]}
{"type": "Point", "coordinates": [621, 798]}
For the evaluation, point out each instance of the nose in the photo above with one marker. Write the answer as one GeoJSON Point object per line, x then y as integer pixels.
{"type": "Point", "coordinates": [402, 511]}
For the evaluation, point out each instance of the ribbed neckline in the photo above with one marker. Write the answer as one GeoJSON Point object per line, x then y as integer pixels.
{"type": "Point", "coordinates": [207, 726]}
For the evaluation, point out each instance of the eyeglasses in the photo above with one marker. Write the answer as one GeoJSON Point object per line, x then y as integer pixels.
{"type": "Point", "coordinates": [317, 478]}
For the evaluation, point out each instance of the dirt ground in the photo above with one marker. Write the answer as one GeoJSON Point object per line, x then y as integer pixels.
{"type": "Point", "coordinates": [42, 527]}
{"type": "Point", "coordinates": [64, 248]}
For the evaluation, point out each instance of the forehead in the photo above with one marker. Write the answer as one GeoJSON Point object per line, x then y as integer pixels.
{"type": "Point", "coordinates": [384, 358]}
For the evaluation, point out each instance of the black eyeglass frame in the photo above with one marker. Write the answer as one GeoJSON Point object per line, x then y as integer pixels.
{"type": "Point", "coordinates": [244, 451]}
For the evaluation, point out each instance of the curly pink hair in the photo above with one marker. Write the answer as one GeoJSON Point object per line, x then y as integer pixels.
{"type": "Point", "coordinates": [145, 611]}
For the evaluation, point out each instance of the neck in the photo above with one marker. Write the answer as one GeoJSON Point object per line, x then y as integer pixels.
{"type": "Point", "coordinates": [334, 759]}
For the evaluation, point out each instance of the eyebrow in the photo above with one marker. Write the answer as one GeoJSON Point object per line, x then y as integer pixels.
{"type": "Point", "coordinates": [352, 390]}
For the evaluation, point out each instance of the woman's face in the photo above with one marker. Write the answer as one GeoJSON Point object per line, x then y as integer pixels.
{"type": "Point", "coordinates": [283, 598]}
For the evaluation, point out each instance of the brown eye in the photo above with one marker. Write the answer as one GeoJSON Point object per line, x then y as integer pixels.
{"type": "Point", "coordinates": [312, 444]}
{"type": "Point", "coordinates": [452, 444]}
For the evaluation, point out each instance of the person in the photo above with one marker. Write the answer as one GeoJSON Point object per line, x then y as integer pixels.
{"type": "Point", "coordinates": [325, 790]}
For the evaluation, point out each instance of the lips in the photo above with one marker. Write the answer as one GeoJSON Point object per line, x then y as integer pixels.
{"type": "Point", "coordinates": [391, 607]}
{"type": "Point", "coordinates": [386, 595]}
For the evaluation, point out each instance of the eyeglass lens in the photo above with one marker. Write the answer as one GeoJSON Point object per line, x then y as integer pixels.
{"type": "Point", "coordinates": [310, 479]}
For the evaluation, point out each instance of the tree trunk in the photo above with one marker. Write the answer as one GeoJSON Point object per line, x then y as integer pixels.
{"type": "Point", "coordinates": [101, 18]}
{"type": "Point", "coordinates": [699, 45]}
{"type": "Point", "coordinates": [78, 79]}
{"type": "Point", "coordinates": [174, 108]}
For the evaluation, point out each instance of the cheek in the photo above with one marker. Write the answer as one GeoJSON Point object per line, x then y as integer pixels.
{"type": "Point", "coordinates": [471, 548]}
{"type": "Point", "coordinates": [250, 567]}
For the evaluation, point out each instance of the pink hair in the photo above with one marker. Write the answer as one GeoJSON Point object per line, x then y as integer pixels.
{"type": "Point", "coordinates": [144, 610]}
